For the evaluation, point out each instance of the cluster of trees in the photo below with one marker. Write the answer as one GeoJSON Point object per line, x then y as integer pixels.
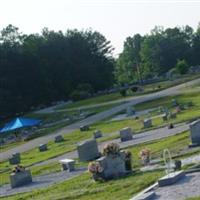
{"type": "Point", "coordinates": [157, 53]}
{"type": "Point", "coordinates": [37, 69]}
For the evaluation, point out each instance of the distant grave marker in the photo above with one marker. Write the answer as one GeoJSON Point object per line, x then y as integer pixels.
{"type": "Point", "coordinates": [42, 147]}
{"type": "Point", "coordinates": [15, 159]}
{"type": "Point", "coordinates": [97, 134]}
{"type": "Point", "coordinates": [58, 138]}
{"type": "Point", "coordinates": [126, 134]}
{"type": "Point", "coordinates": [147, 123]}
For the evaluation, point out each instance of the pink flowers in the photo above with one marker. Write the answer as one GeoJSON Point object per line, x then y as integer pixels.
{"type": "Point", "coordinates": [111, 148]}
{"type": "Point", "coordinates": [145, 156]}
{"type": "Point", "coordinates": [94, 168]}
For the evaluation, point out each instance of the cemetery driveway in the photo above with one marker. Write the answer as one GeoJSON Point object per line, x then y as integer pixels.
{"type": "Point", "coordinates": [92, 119]}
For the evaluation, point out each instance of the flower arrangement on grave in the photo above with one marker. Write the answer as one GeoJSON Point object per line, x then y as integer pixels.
{"type": "Point", "coordinates": [96, 170]}
{"type": "Point", "coordinates": [178, 109]}
{"type": "Point", "coordinates": [111, 149]}
{"type": "Point", "coordinates": [145, 156]}
{"type": "Point", "coordinates": [18, 168]}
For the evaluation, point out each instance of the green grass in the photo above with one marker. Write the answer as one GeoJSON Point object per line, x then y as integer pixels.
{"type": "Point", "coordinates": [148, 88]}
{"type": "Point", "coordinates": [84, 188]}
{"type": "Point", "coordinates": [181, 141]}
{"type": "Point", "coordinates": [195, 198]}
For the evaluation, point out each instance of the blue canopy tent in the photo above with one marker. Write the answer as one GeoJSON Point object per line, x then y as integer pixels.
{"type": "Point", "coordinates": [19, 123]}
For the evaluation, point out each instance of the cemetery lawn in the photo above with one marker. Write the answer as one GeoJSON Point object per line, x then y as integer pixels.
{"type": "Point", "coordinates": [84, 188]}
{"type": "Point", "coordinates": [195, 198]}
{"type": "Point", "coordinates": [148, 88]}
{"type": "Point", "coordinates": [181, 140]}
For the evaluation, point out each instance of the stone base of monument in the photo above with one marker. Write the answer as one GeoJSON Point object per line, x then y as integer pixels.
{"type": "Point", "coordinates": [145, 196]}
{"type": "Point", "coordinates": [68, 164]}
{"type": "Point", "coordinates": [20, 178]}
{"type": "Point", "coordinates": [171, 178]}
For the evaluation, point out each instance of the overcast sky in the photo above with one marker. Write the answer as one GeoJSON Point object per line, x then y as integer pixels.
{"type": "Point", "coordinates": [116, 19]}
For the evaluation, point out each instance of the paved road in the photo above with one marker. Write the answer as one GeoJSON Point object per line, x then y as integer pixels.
{"type": "Point", "coordinates": [92, 119]}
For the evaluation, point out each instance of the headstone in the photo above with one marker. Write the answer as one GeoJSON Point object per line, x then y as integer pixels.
{"type": "Point", "coordinates": [84, 128]}
{"type": "Point", "coordinates": [97, 134]}
{"type": "Point", "coordinates": [165, 117]}
{"type": "Point", "coordinates": [170, 126]}
{"type": "Point", "coordinates": [114, 166]}
{"type": "Point", "coordinates": [195, 132]}
{"type": "Point", "coordinates": [88, 150]}
{"type": "Point", "coordinates": [126, 134]}
{"type": "Point", "coordinates": [172, 115]}
{"type": "Point", "coordinates": [42, 147]}
{"type": "Point", "coordinates": [15, 159]}
{"type": "Point", "coordinates": [20, 178]}
{"type": "Point", "coordinates": [59, 138]}
{"type": "Point", "coordinates": [130, 111]}
{"type": "Point", "coordinates": [147, 123]}
{"type": "Point", "coordinates": [174, 103]}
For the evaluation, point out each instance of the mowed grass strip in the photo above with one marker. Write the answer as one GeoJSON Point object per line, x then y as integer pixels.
{"type": "Point", "coordinates": [84, 188]}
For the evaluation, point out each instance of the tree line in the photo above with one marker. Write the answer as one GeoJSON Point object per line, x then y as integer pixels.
{"type": "Point", "coordinates": [37, 69]}
{"type": "Point", "coordinates": [159, 52]}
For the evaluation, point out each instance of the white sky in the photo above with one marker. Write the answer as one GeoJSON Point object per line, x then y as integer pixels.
{"type": "Point", "coordinates": [116, 19]}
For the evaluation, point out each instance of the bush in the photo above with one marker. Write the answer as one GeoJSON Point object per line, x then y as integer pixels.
{"type": "Point", "coordinates": [79, 95]}
{"type": "Point", "coordinates": [182, 67]}
{"type": "Point", "coordinates": [123, 93]}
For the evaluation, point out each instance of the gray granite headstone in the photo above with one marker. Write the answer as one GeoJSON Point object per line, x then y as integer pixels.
{"type": "Point", "coordinates": [130, 111]}
{"type": "Point", "coordinates": [97, 134]}
{"type": "Point", "coordinates": [165, 117]}
{"type": "Point", "coordinates": [113, 165]}
{"type": "Point", "coordinates": [195, 132]}
{"type": "Point", "coordinates": [174, 103]}
{"type": "Point", "coordinates": [15, 159]}
{"type": "Point", "coordinates": [20, 178]}
{"type": "Point", "coordinates": [172, 115]}
{"type": "Point", "coordinates": [88, 150]}
{"type": "Point", "coordinates": [147, 123]}
{"type": "Point", "coordinates": [126, 134]}
{"type": "Point", "coordinates": [42, 147]}
{"type": "Point", "coordinates": [84, 128]}
{"type": "Point", "coordinates": [58, 138]}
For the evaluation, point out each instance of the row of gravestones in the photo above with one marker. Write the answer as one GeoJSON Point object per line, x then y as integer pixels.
{"type": "Point", "coordinates": [113, 164]}
{"type": "Point", "coordinates": [88, 150]}
{"type": "Point", "coordinates": [15, 158]}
